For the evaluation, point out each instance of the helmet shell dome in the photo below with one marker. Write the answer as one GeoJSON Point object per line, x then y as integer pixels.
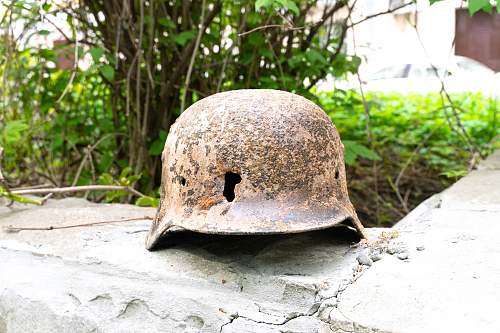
{"type": "Point", "coordinates": [253, 161]}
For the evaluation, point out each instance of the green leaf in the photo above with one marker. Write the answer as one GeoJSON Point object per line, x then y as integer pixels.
{"type": "Point", "coordinates": [18, 198]}
{"type": "Point", "coordinates": [354, 149]}
{"type": "Point", "coordinates": [290, 5]}
{"type": "Point", "coordinates": [113, 195]}
{"type": "Point", "coordinates": [315, 57]}
{"type": "Point", "coordinates": [477, 5]}
{"type": "Point", "coordinates": [156, 147]}
{"type": "Point", "coordinates": [96, 53]}
{"type": "Point", "coordinates": [105, 179]}
{"type": "Point", "coordinates": [184, 37]}
{"type": "Point", "coordinates": [147, 202]}
{"type": "Point", "coordinates": [43, 32]}
{"type": "Point", "coordinates": [125, 172]}
{"type": "Point", "coordinates": [166, 22]}
{"type": "Point", "coordinates": [454, 173]}
{"type": "Point", "coordinates": [263, 4]}
{"type": "Point", "coordinates": [266, 53]}
{"type": "Point", "coordinates": [48, 54]}
{"type": "Point", "coordinates": [13, 132]}
{"type": "Point", "coordinates": [256, 39]}
{"type": "Point", "coordinates": [108, 72]}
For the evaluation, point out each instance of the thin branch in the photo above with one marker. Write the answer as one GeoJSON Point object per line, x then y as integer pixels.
{"type": "Point", "coordinates": [193, 55]}
{"type": "Point", "coordinates": [72, 189]}
{"type": "Point", "coordinates": [443, 92]}
{"type": "Point", "coordinates": [2, 179]}
{"type": "Point", "coordinates": [388, 11]}
{"type": "Point", "coordinates": [12, 229]}
{"type": "Point", "coordinates": [73, 72]}
{"type": "Point", "coordinates": [285, 27]}
{"type": "Point", "coordinates": [31, 187]}
{"type": "Point", "coordinates": [89, 151]}
{"type": "Point", "coordinates": [230, 50]}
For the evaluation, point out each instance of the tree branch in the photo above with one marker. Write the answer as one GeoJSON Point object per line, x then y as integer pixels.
{"type": "Point", "coordinates": [388, 11]}
{"type": "Point", "coordinates": [12, 229]}
{"type": "Point", "coordinates": [72, 189]}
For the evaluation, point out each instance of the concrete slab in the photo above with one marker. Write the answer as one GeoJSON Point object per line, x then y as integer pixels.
{"type": "Point", "coordinates": [436, 271]}
{"type": "Point", "coordinates": [478, 191]}
{"type": "Point", "coordinates": [101, 278]}
{"type": "Point", "coordinates": [449, 283]}
{"type": "Point", "coordinates": [491, 163]}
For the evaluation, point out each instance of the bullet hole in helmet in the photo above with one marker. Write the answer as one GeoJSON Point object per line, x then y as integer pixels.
{"type": "Point", "coordinates": [183, 181]}
{"type": "Point", "coordinates": [230, 181]}
{"type": "Point", "coordinates": [337, 174]}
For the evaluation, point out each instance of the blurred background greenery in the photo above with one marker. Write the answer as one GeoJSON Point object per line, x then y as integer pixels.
{"type": "Point", "coordinates": [89, 90]}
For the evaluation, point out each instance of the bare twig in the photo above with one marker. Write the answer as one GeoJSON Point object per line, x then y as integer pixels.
{"type": "Point", "coordinates": [284, 27]}
{"type": "Point", "coordinates": [452, 105]}
{"type": "Point", "coordinates": [361, 90]}
{"type": "Point", "coordinates": [278, 62]}
{"type": "Point", "coordinates": [72, 189]}
{"type": "Point", "coordinates": [193, 55]}
{"type": "Point", "coordinates": [30, 187]}
{"type": "Point", "coordinates": [2, 179]}
{"type": "Point", "coordinates": [73, 72]}
{"type": "Point", "coordinates": [404, 204]}
{"type": "Point", "coordinates": [88, 152]}
{"type": "Point", "coordinates": [17, 229]}
{"type": "Point", "coordinates": [230, 50]}
{"type": "Point", "coordinates": [388, 11]}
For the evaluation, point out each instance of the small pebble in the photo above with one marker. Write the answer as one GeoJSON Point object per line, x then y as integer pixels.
{"type": "Point", "coordinates": [402, 255]}
{"type": "Point", "coordinates": [376, 256]}
{"type": "Point", "coordinates": [396, 249]}
{"type": "Point", "coordinates": [420, 248]}
{"type": "Point", "coordinates": [363, 259]}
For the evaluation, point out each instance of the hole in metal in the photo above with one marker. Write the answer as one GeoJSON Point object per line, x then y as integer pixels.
{"type": "Point", "coordinates": [230, 181]}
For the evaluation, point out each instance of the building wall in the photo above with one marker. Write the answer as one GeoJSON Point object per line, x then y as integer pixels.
{"type": "Point", "coordinates": [393, 38]}
{"type": "Point", "coordinates": [478, 37]}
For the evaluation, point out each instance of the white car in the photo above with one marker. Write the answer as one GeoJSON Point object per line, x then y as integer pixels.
{"type": "Point", "coordinates": [459, 74]}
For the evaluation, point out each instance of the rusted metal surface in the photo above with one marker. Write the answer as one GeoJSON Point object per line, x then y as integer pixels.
{"type": "Point", "coordinates": [286, 152]}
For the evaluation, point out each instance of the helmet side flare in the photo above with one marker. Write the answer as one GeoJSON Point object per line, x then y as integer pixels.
{"type": "Point", "coordinates": [253, 161]}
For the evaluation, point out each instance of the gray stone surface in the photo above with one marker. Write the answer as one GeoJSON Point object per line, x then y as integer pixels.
{"type": "Point", "coordinates": [491, 163]}
{"type": "Point", "coordinates": [101, 278]}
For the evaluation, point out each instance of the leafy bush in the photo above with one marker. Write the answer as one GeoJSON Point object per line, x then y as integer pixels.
{"type": "Point", "coordinates": [418, 146]}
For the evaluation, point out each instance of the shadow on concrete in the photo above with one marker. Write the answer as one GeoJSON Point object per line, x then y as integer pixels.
{"type": "Point", "coordinates": [251, 245]}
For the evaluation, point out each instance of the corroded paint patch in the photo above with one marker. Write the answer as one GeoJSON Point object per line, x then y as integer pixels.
{"type": "Point", "coordinates": [286, 150]}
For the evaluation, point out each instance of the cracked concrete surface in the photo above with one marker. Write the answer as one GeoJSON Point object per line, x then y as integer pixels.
{"type": "Point", "coordinates": [438, 272]}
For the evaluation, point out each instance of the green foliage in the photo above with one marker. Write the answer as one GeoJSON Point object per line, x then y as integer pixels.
{"type": "Point", "coordinates": [12, 132]}
{"type": "Point", "coordinates": [417, 147]}
{"type": "Point", "coordinates": [52, 116]}
{"type": "Point", "coordinates": [47, 118]}
{"type": "Point", "coordinates": [18, 198]}
{"type": "Point", "coordinates": [405, 125]}
{"type": "Point", "coordinates": [476, 5]}
{"type": "Point", "coordinates": [112, 117]}
{"type": "Point", "coordinates": [147, 202]}
{"type": "Point", "coordinates": [353, 150]}
{"type": "Point", "coordinates": [126, 178]}
{"type": "Point", "coordinates": [277, 4]}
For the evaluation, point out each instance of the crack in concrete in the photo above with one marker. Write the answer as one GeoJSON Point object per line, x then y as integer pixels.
{"type": "Point", "coordinates": [142, 303]}
{"type": "Point", "coordinates": [315, 308]}
{"type": "Point", "coordinates": [75, 299]}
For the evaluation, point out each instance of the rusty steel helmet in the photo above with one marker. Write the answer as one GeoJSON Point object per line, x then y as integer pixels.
{"type": "Point", "coordinates": [252, 161]}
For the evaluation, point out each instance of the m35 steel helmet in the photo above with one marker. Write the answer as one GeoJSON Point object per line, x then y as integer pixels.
{"type": "Point", "coordinates": [252, 162]}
